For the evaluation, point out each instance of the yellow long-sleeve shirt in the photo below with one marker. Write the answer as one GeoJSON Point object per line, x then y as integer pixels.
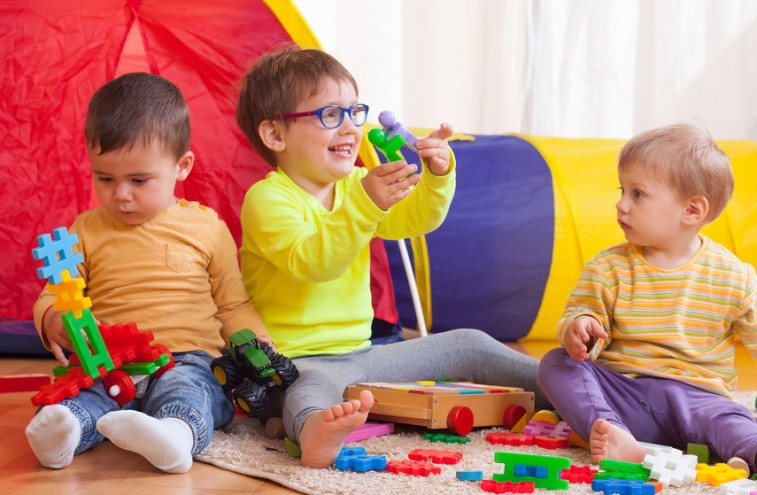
{"type": "Point", "coordinates": [307, 269]}
{"type": "Point", "coordinates": [676, 324]}
{"type": "Point", "coordinates": [176, 275]}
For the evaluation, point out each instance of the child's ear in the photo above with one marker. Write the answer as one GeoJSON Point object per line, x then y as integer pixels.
{"type": "Point", "coordinates": [185, 163]}
{"type": "Point", "coordinates": [696, 211]}
{"type": "Point", "coordinates": [270, 133]}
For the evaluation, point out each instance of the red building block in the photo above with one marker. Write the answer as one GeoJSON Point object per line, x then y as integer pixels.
{"type": "Point", "coordinates": [23, 383]}
{"type": "Point", "coordinates": [413, 468]}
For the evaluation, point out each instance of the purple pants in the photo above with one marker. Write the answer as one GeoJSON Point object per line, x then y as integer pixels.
{"type": "Point", "coordinates": [655, 410]}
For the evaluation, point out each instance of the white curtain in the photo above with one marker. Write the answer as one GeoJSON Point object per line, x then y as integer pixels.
{"type": "Point", "coordinates": [568, 68]}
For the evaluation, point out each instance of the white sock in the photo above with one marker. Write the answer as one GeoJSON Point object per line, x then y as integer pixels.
{"type": "Point", "coordinates": [53, 436]}
{"type": "Point", "coordinates": [166, 443]}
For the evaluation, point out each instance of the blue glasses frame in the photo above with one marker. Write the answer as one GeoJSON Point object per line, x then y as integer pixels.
{"type": "Point", "coordinates": [362, 109]}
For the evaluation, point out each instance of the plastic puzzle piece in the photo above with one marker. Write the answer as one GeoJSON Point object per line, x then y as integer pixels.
{"type": "Point", "coordinates": [57, 255]}
{"type": "Point", "coordinates": [530, 471]}
{"type": "Point", "coordinates": [671, 468]}
{"type": "Point", "coordinates": [739, 487]}
{"type": "Point", "coordinates": [23, 383]}
{"type": "Point", "coordinates": [719, 473]}
{"type": "Point", "coordinates": [69, 296]}
{"type": "Point", "coordinates": [551, 442]}
{"type": "Point", "coordinates": [554, 466]}
{"type": "Point", "coordinates": [413, 468]}
{"type": "Point", "coordinates": [293, 450]}
{"type": "Point", "coordinates": [446, 438]}
{"type": "Point", "coordinates": [505, 438]}
{"type": "Point", "coordinates": [98, 355]}
{"type": "Point", "coordinates": [436, 456]}
{"type": "Point", "coordinates": [369, 430]}
{"type": "Point", "coordinates": [622, 470]}
{"type": "Point", "coordinates": [469, 475]}
{"type": "Point", "coordinates": [701, 451]}
{"type": "Point", "coordinates": [539, 428]}
{"type": "Point", "coordinates": [579, 474]}
{"type": "Point", "coordinates": [391, 127]}
{"type": "Point", "coordinates": [623, 487]}
{"type": "Point", "coordinates": [356, 459]}
{"type": "Point", "coordinates": [63, 387]}
{"type": "Point", "coordinates": [492, 486]}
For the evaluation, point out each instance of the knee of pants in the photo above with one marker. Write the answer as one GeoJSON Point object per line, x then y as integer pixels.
{"type": "Point", "coordinates": [470, 339]}
{"type": "Point", "coordinates": [554, 358]}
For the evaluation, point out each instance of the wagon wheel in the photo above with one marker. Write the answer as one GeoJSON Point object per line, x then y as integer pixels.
{"type": "Point", "coordinates": [513, 413]}
{"type": "Point", "coordinates": [119, 386]}
{"type": "Point", "coordinates": [460, 420]}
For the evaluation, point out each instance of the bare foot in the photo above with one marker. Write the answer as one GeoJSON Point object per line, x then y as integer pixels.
{"type": "Point", "coordinates": [324, 432]}
{"type": "Point", "coordinates": [608, 441]}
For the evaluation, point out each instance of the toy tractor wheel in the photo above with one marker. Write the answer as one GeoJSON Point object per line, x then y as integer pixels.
{"type": "Point", "coordinates": [460, 420]}
{"type": "Point", "coordinates": [163, 350]}
{"type": "Point", "coordinates": [251, 398]}
{"type": "Point", "coordinates": [225, 371]}
{"type": "Point", "coordinates": [286, 371]}
{"type": "Point", "coordinates": [119, 386]}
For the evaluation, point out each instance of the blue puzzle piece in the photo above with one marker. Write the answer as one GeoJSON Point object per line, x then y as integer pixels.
{"type": "Point", "coordinates": [531, 471]}
{"type": "Point", "coordinates": [623, 487]}
{"type": "Point", "coordinates": [57, 255]}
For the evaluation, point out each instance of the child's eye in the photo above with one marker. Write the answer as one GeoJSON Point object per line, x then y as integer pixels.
{"type": "Point", "coordinates": [104, 179]}
{"type": "Point", "coordinates": [638, 194]}
{"type": "Point", "coordinates": [139, 181]}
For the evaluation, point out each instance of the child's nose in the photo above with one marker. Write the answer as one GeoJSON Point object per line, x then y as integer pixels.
{"type": "Point", "coordinates": [123, 192]}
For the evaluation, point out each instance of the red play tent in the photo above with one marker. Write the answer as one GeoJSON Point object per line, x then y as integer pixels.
{"type": "Point", "coordinates": [56, 54]}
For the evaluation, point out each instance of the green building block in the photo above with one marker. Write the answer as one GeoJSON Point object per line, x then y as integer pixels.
{"type": "Point", "coordinates": [293, 449]}
{"type": "Point", "coordinates": [553, 464]}
{"type": "Point", "coordinates": [622, 470]}
{"type": "Point", "coordinates": [701, 451]}
{"type": "Point", "coordinates": [89, 359]}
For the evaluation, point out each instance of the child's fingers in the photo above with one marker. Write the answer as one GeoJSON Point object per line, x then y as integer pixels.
{"type": "Point", "coordinates": [389, 168]}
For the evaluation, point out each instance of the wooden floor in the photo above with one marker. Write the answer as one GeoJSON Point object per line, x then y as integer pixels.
{"type": "Point", "coordinates": [107, 469]}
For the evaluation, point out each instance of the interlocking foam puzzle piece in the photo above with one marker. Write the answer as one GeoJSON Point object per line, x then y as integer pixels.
{"type": "Point", "coordinates": [506, 438]}
{"type": "Point", "coordinates": [623, 487]}
{"type": "Point", "coordinates": [578, 474]}
{"type": "Point", "coordinates": [743, 486]}
{"type": "Point", "coordinates": [551, 442]}
{"type": "Point", "coordinates": [492, 486]}
{"type": "Point", "coordinates": [69, 296]}
{"type": "Point", "coordinates": [63, 387]}
{"type": "Point", "coordinates": [436, 456]}
{"type": "Point", "coordinates": [671, 468]}
{"type": "Point", "coordinates": [719, 473]}
{"type": "Point", "coordinates": [554, 465]}
{"type": "Point", "coordinates": [413, 468]}
{"type": "Point", "coordinates": [57, 255]}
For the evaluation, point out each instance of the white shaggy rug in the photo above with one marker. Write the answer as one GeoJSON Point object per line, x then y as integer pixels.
{"type": "Point", "coordinates": [243, 448]}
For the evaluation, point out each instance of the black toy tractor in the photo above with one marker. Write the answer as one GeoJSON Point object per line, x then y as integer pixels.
{"type": "Point", "coordinates": [253, 375]}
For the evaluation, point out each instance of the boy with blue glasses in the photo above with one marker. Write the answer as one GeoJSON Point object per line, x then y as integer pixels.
{"type": "Point", "coordinates": [305, 250]}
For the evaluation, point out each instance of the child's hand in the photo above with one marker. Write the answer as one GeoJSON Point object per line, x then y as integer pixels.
{"type": "Point", "coordinates": [389, 183]}
{"type": "Point", "coordinates": [56, 335]}
{"type": "Point", "coordinates": [265, 338]}
{"type": "Point", "coordinates": [579, 333]}
{"type": "Point", "coordinates": [435, 149]}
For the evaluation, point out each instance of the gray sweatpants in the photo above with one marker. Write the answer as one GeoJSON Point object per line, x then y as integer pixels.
{"type": "Point", "coordinates": [456, 355]}
{"type": "Point", "coordinates": [655, 410]}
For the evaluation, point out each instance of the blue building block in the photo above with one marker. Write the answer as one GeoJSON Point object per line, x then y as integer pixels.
{"type": "Point", "coordinates": [57, 254]}
{"type": "Point", "coordinates": [470, 475]}
{"type": "Point", "coordinates": [623, 487]}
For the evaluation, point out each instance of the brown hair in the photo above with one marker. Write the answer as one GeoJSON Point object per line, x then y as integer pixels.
{"type": "Point", "coordinates": [277, 81]}
{"type": "Point", "coordinates": [685, 157]}
{"type": "Point", "coordinates": [138, 108]}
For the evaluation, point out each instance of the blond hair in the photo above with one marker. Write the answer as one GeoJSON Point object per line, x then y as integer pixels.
{"type": "Point", "coordinates": [685, 157]}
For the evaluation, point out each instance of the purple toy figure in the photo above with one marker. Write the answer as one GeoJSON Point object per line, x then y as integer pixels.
{"type": "Point", "coordinates": [392, 128]}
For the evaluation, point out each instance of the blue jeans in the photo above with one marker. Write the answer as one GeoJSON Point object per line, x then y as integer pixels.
{"type": "Point", "coordinates": [188, 391]}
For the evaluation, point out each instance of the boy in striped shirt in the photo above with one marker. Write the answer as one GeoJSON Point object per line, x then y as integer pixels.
{"type": "Point", "coordinates": [662, 311]}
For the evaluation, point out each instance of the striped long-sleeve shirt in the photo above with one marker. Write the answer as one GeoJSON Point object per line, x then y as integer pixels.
{"type": "Point", "coordinates": [678, 324]}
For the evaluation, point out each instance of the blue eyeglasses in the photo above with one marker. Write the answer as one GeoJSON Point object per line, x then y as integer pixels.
{"type": "Point", "coordinates": [332, 116]}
